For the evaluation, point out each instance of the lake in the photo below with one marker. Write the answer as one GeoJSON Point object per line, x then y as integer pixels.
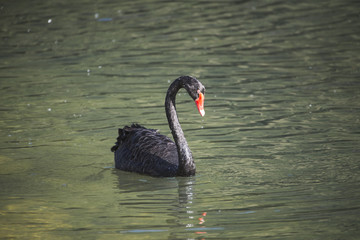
{"type": "Point", "coordinates": [277, 152]}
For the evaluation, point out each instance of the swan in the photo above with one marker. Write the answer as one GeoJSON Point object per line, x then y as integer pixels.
{"type": "Point", "coordinates": [146, 151]}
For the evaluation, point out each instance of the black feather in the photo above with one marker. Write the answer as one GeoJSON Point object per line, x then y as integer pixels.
{"type": "Point", "coordinates": [145, 151]}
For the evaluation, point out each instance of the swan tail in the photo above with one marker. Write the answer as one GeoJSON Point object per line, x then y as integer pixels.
{"type": "Point", "coordinates": [124, 133]}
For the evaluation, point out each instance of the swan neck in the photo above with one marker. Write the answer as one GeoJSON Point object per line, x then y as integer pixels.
{"type": "Point", "coordinates": [186, 163]}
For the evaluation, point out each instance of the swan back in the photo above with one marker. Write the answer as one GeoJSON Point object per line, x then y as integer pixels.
{"type": "Point", "coordinates": [145, 151]}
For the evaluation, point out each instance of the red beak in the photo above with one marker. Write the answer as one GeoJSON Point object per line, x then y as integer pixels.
{"type": "Point", "coordinates": [200, 103]}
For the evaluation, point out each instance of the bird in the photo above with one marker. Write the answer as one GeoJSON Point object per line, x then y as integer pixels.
{"type": "Point", "coordinates": [148, 152]}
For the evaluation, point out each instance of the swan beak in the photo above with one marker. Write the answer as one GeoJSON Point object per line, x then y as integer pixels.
{"type": "Point", "coordinates": [200, 103]}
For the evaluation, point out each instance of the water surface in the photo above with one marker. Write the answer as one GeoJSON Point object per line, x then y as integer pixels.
{"type": "Point", "coordinates": [277, 153]}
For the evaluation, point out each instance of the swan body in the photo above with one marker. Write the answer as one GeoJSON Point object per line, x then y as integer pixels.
{"type": "Point", "coordinates": [146, 151]}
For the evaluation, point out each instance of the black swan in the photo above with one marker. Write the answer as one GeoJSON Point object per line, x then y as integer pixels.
{"type": "Point", "coordinates": [146, 151]}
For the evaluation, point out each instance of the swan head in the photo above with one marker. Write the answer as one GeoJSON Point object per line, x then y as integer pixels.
{"type": "Point", "coordinates": [197, 92]}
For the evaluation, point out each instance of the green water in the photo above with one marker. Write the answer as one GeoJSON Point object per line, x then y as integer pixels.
{"type": "Point", "coordinates": [277, 152]}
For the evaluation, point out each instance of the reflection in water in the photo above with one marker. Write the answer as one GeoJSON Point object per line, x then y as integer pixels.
{"type": "Point", "coordinates": [184, 217]}
{"type": "Point", "coordinates": [186, 197]}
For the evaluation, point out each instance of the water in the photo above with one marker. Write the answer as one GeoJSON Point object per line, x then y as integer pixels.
{"type": "Point", "coordinates": [277, 153]}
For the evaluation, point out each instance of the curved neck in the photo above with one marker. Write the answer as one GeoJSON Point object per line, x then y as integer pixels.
{"type": "Point", "coordinates": [186, 163]}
